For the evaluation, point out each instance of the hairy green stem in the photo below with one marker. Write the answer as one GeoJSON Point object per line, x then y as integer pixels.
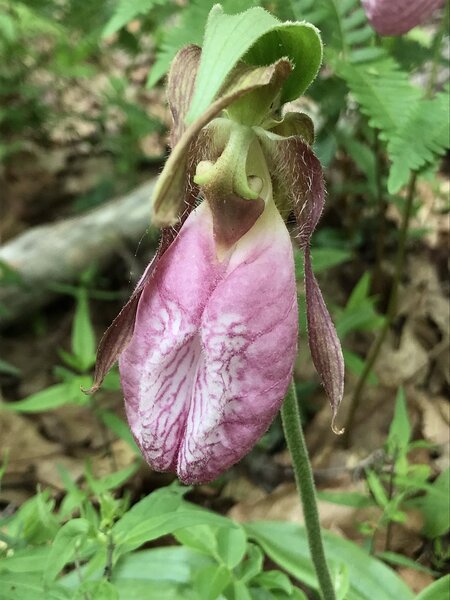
{"type": "Point", "coordinates": [390, 313]}
{"type": "Point", "coordinates": [295, 439]}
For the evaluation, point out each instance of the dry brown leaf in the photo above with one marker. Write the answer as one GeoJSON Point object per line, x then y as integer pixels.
{"type": "Point", "coordinates": [415, 580]}
{"type": "Point", "coordinates": [31, 458]}
{"type": "Point", "coordinates": [407, 363]}
{"type": "Point", "coordinates": [284, 505]}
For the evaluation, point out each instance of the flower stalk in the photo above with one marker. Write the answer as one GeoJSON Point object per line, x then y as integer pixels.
{"type": "Point", "coordinates": [295, 439]}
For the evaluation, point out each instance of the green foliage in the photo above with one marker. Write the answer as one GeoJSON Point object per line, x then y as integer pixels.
{"type": "Point", "coordinates": [383, 91]}
{"type": "Point", "coordinates": [322, 258]}
{"type": "Point", "coordinates": [434, 505]}
{"type": "Point", "coordinates": [286, 545]}
{"type": "Point", "coordinates": [418, 140]}
{"type": "Point", "coordinates": [189, 30]}
{"type": "Point", "coordinates": [416, 130]}
{"type": "Point", "coordinates": [396, 485]}
{"type": "Point", "coordinates": [99, 552]}
{"type": "Point", "coordinates": [436, 591]}
{"type": "Point", "coordinates": [126, 11]}
{"type": "Point", "coordinates": [359, 313]}
{"type": "Point", "coordinates": [343, 26]}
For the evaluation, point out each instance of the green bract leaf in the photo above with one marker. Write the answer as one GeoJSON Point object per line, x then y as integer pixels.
{"type": "Point", "coordinates": [398, 559]}
{"type": "Point", "coordinates": [259, 39]}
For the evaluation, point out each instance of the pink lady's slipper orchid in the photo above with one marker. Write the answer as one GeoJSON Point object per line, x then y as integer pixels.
{"type": "Point", "coordinates": [208, 340]}
{"type": "Point", "coordinates": [395, 17]}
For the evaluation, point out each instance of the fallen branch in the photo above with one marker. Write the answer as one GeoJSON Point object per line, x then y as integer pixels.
{"type": "Point", "coordinates": [60, 252]}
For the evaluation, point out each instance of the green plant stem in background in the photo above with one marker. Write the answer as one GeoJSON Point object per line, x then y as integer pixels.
{"type": "Point", "coordinates": [381, 216]}
{"type": "Point", "coordinates": [295, 439]}
{"type": "Point", "coordinates": [390, 314]}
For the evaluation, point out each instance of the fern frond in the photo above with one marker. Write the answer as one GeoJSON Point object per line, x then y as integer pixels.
{"type": "Point", "coordinates": [420, 139]}
{"type": "Point", "coordinates": [383, 92]}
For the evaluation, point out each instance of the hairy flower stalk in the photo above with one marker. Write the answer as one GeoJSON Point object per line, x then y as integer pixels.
{"type": "Point", "coordinates": [207, 342]}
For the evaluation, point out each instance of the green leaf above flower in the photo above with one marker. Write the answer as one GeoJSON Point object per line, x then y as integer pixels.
{"type": "Point", "coordinates": [259, 39]}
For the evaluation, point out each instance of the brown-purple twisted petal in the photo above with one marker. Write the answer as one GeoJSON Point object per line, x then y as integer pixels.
{"type": "Point", "coordinates": [299, 180]}
{"type": "Point", "coordinates": [324, 343]}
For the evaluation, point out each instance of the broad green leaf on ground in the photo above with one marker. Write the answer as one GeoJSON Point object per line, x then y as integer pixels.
{"type": "Point", "coordinates": [354, 499]}
{"type": "Point", "coordinates": [100, 590]}
{"type": "Point", "coordinates": [260, 38]}
{"type": "Point", "coordinates": [29, 586]}
{"type": "Point", "coordinates": [32, 560]}
{"type": "Point", "coordinates": [398, 559]}
{"type": "Point", "coordinates": [154, 527]}
{"type": "Point", "coordinates": [209, 582]}
{"type": "Point", "coordinates": [64, 546]}
{"type": "Point", "coordinates": [231, 545]}
{"type": "Point", "coordinates": [437, 590]}
{"type": "Point", "coordinates": [286, 545]}
{"type": "Point", "coordinates": [201, 538]}
{"type": "Point", "coordinates": [151, 568]}
{"type": "Point", "coordinates": [140, 589]}
{"type": "Point", "coordinates": [162, 501]}
{"type": "Point", "coordinates": [434, 506]}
